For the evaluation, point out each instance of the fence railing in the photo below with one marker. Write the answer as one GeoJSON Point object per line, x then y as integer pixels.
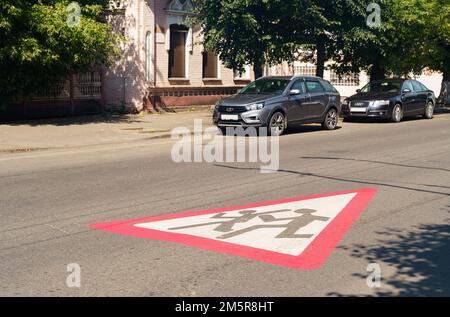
{"type": "Point", "coordinates": [80, 86]}
{"type": "Point", "coordinates": [344, 79]}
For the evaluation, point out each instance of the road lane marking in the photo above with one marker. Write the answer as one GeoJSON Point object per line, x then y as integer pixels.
{"type": "Point", "coordinates": [298, 233]}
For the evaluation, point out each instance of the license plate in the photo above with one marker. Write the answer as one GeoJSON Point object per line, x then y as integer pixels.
{"type": "Point", "coordinates": [229, 117]}
{"type": "Point", "coordinates": [361, 110]}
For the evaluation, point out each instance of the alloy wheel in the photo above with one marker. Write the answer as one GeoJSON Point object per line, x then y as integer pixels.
{"type": "Point", "coordinates": [331, 120]}
{"type": "Point", "coordinates": [397, 114]}
{"type": "Point", "coordinates": [277, 124]}
{"type": "Point", "coordinates": [429, 111]}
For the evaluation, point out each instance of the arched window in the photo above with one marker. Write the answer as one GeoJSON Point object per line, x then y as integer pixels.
{"type": "Point", "coordinates": [149, 56]}
{"type": "Point", "coordinates": [184, 6]}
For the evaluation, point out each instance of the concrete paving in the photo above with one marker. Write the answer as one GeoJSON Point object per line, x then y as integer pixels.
{"type": "Point", "coordinates": [75, 132]}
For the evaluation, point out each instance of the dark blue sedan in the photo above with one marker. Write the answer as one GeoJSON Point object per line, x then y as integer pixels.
{"type": "Point", "coordinates": [391, 99]}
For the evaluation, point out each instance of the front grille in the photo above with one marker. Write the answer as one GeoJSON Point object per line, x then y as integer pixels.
{"type": "Point", "coordinates": [232, 109]}
{"type": "Point", "coordinates": [357, 104]}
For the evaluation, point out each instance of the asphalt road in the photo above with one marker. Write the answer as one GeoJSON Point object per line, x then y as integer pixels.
{"type": "Point", "coordinates": [48, 199]}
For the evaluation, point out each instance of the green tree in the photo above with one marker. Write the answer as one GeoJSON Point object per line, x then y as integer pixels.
{"type": "Point", "coordinates": [358, 46]}
{"type": "Point", "coordinates": [253, 32]}
{"type": "Point", "coordinates": [422, 29]}
{"type": "Point", "coordinates": [333, 19]}
{"type": "Point", "coordinates": [414, 34]}
{"type": "Point", "coordinates": [38, 47]}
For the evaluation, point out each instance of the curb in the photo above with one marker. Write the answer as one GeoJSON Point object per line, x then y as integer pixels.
{"type": "Point", "coordinates": [42, 149]}
{"type": "Point", "coordinates": [169, 135]}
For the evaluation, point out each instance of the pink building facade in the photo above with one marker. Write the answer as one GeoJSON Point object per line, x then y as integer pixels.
{"type": "Point", "coordinates": [164, 65]}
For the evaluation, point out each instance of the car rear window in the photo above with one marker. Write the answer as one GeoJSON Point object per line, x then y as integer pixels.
{"type": "Point", "coordinates": [408, 85]}
{"type": "Point", "coordinates": [314, 86]}
{"type": "Point", "coordinates": [417, 86]}
{"type": "Point", "coordinates": [329, 87]}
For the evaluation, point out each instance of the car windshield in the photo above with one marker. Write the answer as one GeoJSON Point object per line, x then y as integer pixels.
{"type": "Point", "coordinates": [383, 86]}
{"type": "Point", "coordinates": [266, 86]}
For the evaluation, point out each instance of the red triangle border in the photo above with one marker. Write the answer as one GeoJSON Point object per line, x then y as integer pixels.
{"type": "Point", "coordinates": [312, 257]}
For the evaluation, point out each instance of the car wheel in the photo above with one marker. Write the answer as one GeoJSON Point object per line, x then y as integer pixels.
{"type": "Point", "coordinates": [331, 120]}
{"type": "Point", "coordinates": [397, 114]}
{"type": "Point", "coordinates": [429, 111]}
{"type": "Point", "coordinates": [223, 130]}
{"type": "Point", "coordinates": [277, 124]}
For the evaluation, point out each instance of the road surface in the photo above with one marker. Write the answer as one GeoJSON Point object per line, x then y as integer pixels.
{"type": "Point", "coordinates": [48, 199]}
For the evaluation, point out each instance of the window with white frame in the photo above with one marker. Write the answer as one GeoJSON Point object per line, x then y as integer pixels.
{"type": "Point", "coordinates": [351, 79]}
{"type": "Point", "coordinates": [178, 51]}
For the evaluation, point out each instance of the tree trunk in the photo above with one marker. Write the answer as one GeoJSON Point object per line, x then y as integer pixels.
{"type": "Point", "coordinates": [377, 72]}
{"type": "Point", "coordinates": [258, 69]}
{"type": "Point", "coordinates": [443, 98]}
{"type": "Point", "coordinates": [446, 76]}
{"type": "Point", "coordinates": [321, 56]}
{"type": "Point", "coordinates": [446, 68]}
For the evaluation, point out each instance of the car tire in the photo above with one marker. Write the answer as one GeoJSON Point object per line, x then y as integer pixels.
{"type": "Point", "coordinates": [331, 120]}
{"type": "Point", "coordinates": [277, 124]}
{"type": "Point", "coordinates": [429, 111]}
{"type": "Point", "coordinates": [223, 130]}
{"type": "Point", "coordinates": [397, 114]}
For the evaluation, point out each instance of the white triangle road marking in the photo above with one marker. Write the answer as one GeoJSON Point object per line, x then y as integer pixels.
{"type": "Point", "coordinates": [261, 238]}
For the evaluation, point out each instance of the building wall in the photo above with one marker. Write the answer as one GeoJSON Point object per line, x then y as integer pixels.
{"type": "Point", "coordinates": [124, 83]}
{"type": "Point", "coordinates": [131, 86]}
{"type": "Point", "coordinates": [433, 81]}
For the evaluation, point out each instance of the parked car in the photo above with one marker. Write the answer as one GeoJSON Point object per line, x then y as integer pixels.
{"type": "Point", "coordinates": [391, 99]}
{"type": "Point", "coordinates": [276, 103]}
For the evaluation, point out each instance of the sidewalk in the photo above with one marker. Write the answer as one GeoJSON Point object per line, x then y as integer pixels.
{"type": "Point", "coordinates": [33, 135]}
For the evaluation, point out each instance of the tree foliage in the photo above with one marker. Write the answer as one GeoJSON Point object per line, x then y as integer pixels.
{"type": "Point", "coordinates": [251, 31]}
{"type": "Point", "coordinates": [414, 34]}
{"type": "Point", "coordinates": [422, 31]}
{"type": "Point", "coordinates": [38, 47]}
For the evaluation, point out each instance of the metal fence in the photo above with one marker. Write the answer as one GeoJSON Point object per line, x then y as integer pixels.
{"type": "Point", "coordinates": [305, 70]}
{"type": "Point", "coordinates": [80, 86]}
{"type": "Point", "coordinates": [344, 79]}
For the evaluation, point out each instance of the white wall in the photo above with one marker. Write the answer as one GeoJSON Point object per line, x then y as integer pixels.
{"type": "Point", "coordinates": [433, 81]}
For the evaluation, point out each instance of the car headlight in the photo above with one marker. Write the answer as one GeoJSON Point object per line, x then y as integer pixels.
{"type": "Point", "coordinates": [379, 103]}
{"type": "Point", "coordinates": [255, 106]}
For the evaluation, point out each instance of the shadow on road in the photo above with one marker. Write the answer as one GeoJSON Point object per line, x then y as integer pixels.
{"type": "Point", "coordinates": [306, 129]}
{"type": "Point", "coordinates": [347, 180]}
{"type": "Point", "coordinates": [369, 120]}
{"type": "Point", "coordinates": [420, 256]}
{"type": "Point", "coordinates": [376, 162]}
{"type": "Point", "coordinates": [78, 120]}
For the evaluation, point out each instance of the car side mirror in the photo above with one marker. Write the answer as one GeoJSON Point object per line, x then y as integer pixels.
{"type": "Point", "coordinates": [406, 91]}
{"type": "Point", "coordinates": [295, 92]}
